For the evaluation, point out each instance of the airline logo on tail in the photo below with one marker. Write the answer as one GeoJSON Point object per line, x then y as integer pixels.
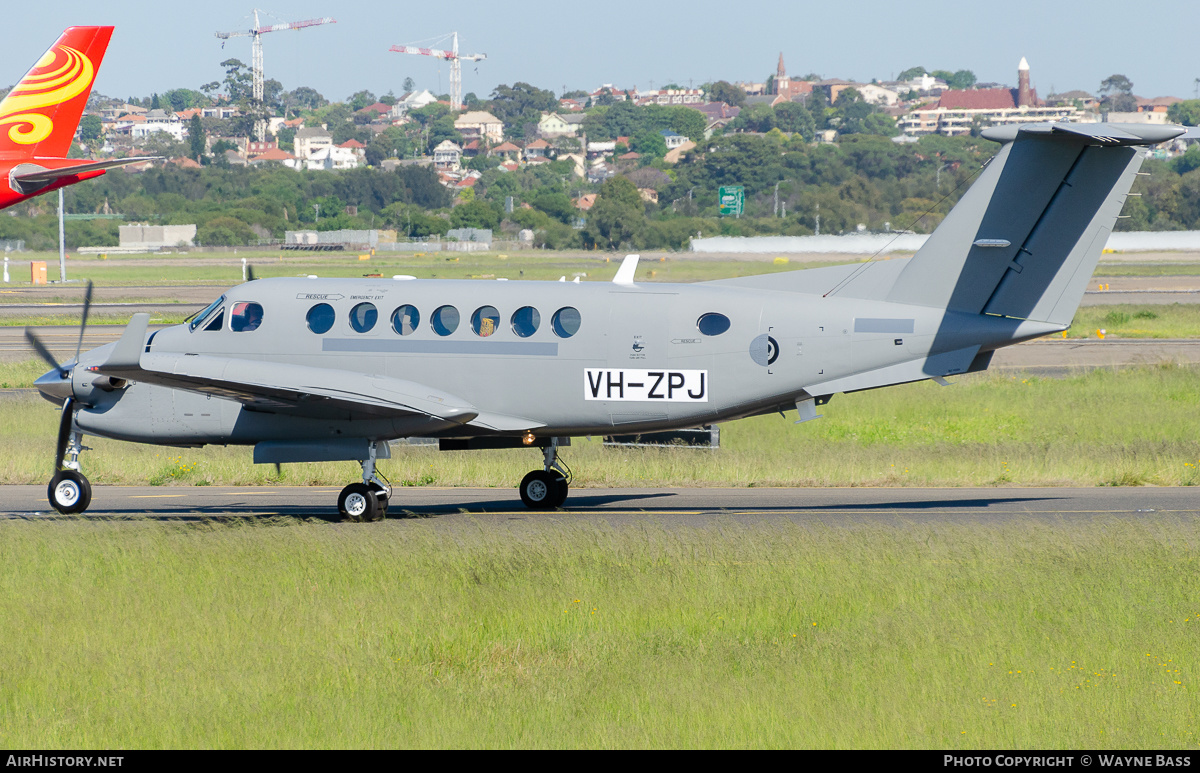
{"type": "Point", "coordinates": [52, 95]}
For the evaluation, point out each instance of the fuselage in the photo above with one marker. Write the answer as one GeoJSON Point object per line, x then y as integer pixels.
{"type": "Point", "coordinates": [567, 358]}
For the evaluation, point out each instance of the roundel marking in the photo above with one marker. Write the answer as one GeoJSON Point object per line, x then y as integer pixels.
{"type": "Point", "coordinates": [764, 350]}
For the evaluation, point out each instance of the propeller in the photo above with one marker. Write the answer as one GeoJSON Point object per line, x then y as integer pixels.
{"type": "Point", "coordinates": [250, 277]}
{"type": "Point", "coordinates": [61, 387]}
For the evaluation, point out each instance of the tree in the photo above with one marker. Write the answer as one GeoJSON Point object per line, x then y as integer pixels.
{"type": "Point", "coordinates": [360, 99]}
{"type": "Point", "coordinates": [409, 85]}
{"type": "Point", "coordinates": [795, 117]}
{"type": "Point", "coordinates": [1186, 112]}
{"type": "Point", "coordinates": [649, 143]}
{"type": "Point", "coordinates": [724, 91]}
{"type": "Point", "coordinates": [307, 98]}
{"type": "Point", "coordinates": [90, 127]}
{"type": "Point", "coordinates": [910, 73]}
{"type": "Point", "coordinates": [239, 81]}
{"type": "Point", "coordinates": [521, 103]}
{"type": "Point", "coordinates": [196, 138]}
{"type": "Point", "coordinates": [1116, 94]}
{"type": "Point", "coordinates": [617, 216]}
{"type": "Point", "coordinates": [475, 214]}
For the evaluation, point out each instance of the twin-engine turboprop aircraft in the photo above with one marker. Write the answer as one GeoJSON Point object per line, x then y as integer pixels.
{"type": "Point", "coordinates": [39, 116]}
{"type": "Point", "coordinates": [331, 369]}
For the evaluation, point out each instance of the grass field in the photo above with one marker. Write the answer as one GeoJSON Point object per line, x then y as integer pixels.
{"type": "Point", "coordinates": [1011, 635]}
{"type": "Point", "coordinates": [1132, 426]}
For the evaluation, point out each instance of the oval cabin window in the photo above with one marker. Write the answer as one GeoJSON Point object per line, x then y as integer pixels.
{"type": "Point", "coordinates": [713, 324]}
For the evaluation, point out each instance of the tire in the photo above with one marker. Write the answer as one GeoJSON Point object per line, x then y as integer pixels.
{"type": "Point", "coordinates": [69, 492]}
{"type": "Point", "coordinates": [539, 489]}
{"type": "Point", "coordinates": [381, 501]}
{"type": "Point", "coordinates": [357, 503]}
{"type": "Point", "coordinates": [561, 488]}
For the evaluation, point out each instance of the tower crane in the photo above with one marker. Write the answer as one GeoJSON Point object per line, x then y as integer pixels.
{"type": "Point", "coordinates": [256, 61]}
{"type": "Point", "coordinates": [456, 59]}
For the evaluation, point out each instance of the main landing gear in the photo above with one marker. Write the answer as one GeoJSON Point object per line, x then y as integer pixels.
{"type": "Point", "coordinates": [546, 489]}
{"type": "Point", "coordinates": [366, 501]}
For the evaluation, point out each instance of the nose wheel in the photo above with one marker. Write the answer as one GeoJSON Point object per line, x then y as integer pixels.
{"type": "Point", "coordinates": [69, 492]}
{"type": "Point", "coordinates": [547, 488]}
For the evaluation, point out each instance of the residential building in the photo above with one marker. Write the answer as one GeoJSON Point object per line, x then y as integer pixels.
{"type": "Point", "coordinates": [553, 125]}
{"type": "Point", "coordinates": [673, 140]}
{"type": "Point", "coordinates": [505, 150]}
{"type": "Point", "coordinates": [330, 158]}
{"type": "Point", "coordinates": [413, 100]}
{"type": "Point", "coordinates": [159, 121]}
{"type": "Point", "coordinates": [355, 147]}
{"type": "Point", "coordinates": [873, 93]}
{"type": "Point", "coordinates": [219, 112]}
{"type": "Point", "coordinates": [310, 140]}
{"type": "Point", "coordinates": [671, 97]}
{"type": "Point", "coordinates": [447, 156]}
{"type": "Point", "coordinates": [481, 124]}
{"type": "Point", "coordinates": [255, 147]}
{"type": "Point", "coordinates": [275, 156]}
{"type": "Point", "coordinates": [537, 149]}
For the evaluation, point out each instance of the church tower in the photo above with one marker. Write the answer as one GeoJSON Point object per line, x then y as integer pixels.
{"type": "Point", "coordinates": [783, 84]}
{"type": "Point", "coordinates": [1024, 95]}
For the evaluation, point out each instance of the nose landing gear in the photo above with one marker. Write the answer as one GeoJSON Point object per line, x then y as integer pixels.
{"type": "Point", "coordinates": [366, 501]}
{"type": "Point", "coordinates": [69, 491]}
{"type": "Point", "coordinates": [547, 488]}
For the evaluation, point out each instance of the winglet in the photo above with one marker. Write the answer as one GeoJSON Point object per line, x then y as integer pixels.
{"type": "Point", "coordinates": [128, 351]}
{"type": "Point", "coordinates": [625, 272]}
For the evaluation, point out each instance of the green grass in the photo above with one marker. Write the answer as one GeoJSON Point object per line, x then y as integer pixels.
{"type": "Point", "coordinates": [282, 634]}
{"type": "Point", "coordinates": [1106, 268]}
{"type": "Point", "coordinates": [1125, 427]}
{"type": "Point", "coordinates": [1176, 320]}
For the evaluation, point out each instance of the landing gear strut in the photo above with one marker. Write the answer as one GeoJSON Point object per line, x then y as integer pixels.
{"type": "Point", "coordinates": [546, 489]}
{"type": "Point", "coordinates": [69, 491]}
{"type": "Point", "coordinates": [366, 501]}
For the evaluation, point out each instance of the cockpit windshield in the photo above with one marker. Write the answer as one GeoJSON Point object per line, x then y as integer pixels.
{"type": "Point", "coordinates": [198, 320]}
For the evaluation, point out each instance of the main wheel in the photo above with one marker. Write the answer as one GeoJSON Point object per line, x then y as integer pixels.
{"type": "Point", "coordinates": [561, 488]}
{"type": "Point", "coordinates": [69, 492]}
{"type": "Point", "coordinates": [381, 499]}
{"type": "Point", "coordinates": [357, 502]}
{"type": "Point", "coordinates": [539, 489]}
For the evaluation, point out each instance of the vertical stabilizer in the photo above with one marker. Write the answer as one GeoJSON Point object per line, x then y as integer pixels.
{"type": "Point", "coordinates": [1025, 238]}
{"type": "Point", "coordinates": [39, 116]}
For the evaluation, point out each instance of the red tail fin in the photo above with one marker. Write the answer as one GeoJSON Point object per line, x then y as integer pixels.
{"type": "Point", "coordinates": [40, 114]}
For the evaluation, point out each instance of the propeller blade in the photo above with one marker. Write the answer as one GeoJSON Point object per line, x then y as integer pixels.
{"type": "Point", "coordinates": [250, 277]}
{"type": "Point", "coordinates": [87, 304]}
{"type": "Point", "coordinates": [45, 354]}
{"type": "Point", "coordinates": [64, 432]}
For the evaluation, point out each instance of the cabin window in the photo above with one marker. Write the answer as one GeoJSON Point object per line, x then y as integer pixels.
{"type": "Point", "coordinates": [485, 320]}
{"type": "Point", "coordinates": [198, 320]}
{"type": "Point", "coordinates": [525, 321]}
{"type": "Point", "coordinates": [320, 318]}
{"type": "Point", "coordinates": [363, 317]}
{"type": "Point", "coordinates": [445, 320]}
{"type": "Point", "coordinates": [566, 322]}
{"type": "Point", "coordinates": [712, 324]}
{"type": "Point", "coordinates": [405, 320]}
{"type": "Point", "coordinates": [245, 317]}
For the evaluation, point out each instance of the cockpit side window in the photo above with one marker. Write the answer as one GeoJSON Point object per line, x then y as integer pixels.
{"type": "Point", "coordinates": [199, 319]}
{"type": "Point", "coordinates": [245, 317]}
{"type": "Point", "coordinates": [217, 321]}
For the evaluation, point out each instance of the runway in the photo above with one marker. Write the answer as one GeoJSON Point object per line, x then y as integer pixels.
{"type": "Point", "coordinates": [689, 507]}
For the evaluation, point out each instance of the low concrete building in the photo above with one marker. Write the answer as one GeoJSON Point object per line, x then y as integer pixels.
{"type": "Point", "coordinates": [152, 237]}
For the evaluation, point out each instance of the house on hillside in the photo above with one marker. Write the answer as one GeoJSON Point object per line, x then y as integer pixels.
{"type": "Point", "coordinates": [331, 158]}
{"type": "Point", "coordinates": [447, 156]}
{"type": "Point", "coordinates": [310, 140]}
{"type": "Point", "coordinates": [274, 156]}
{"type": "Point", "coordinates": [554, 125]}
{"type": "Point", "coordinates": [480, 124]}
{"type": "Point", "coordinates": [355, 147]}
{"type": "Point", "coordinates": [159, 121]}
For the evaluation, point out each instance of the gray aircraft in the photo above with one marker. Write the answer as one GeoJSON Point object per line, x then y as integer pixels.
{"type": "Point", "coordinates": [311, 369]}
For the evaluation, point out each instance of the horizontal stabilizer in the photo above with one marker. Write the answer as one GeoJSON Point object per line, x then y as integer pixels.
{"type": "Point", "coordinates": [1104, 133]}
{"type": "Point", "coordinates": [30, 176]}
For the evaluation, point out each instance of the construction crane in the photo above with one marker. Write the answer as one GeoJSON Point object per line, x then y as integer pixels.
{"type": "Point", "coordinates": [256, 61]}
{"type": "Point", "coordinates": [456, 59]}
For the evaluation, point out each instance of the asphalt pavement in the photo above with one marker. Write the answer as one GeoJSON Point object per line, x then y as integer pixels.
{"type": "Point", "coordinates": [690, 507]}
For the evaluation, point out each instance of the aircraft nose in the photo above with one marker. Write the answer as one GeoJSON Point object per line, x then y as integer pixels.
{"type": "Point", "coordinates": [54, 386]}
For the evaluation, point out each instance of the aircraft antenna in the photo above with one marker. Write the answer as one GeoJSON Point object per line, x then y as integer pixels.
{"type": "Point", "coordinates": [456, 59]}
{"type": "Point", "coordinates": [256, 57]}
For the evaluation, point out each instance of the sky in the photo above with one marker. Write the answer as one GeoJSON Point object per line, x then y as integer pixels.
{"type": "Point", "coordinates": [555, 45]}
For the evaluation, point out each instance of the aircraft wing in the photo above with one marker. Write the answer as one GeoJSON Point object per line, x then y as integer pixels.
{"type": "Point", "coordinates": [280, 387]}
